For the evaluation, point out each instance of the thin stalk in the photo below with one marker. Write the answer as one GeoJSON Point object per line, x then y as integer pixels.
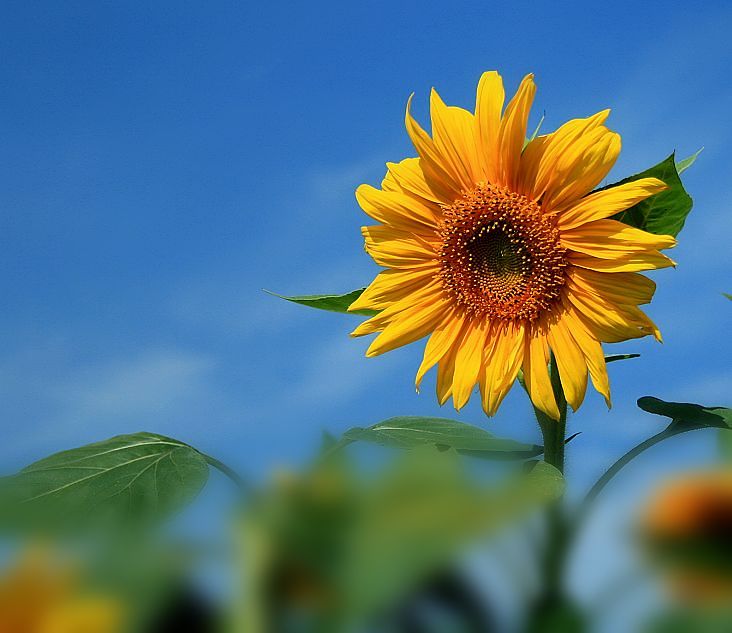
{"type": "Point", "coordinates": [623, 461]}
{"type": "Point", "coordinates": [244, 488]}
{"type": "Point", "coordinates": [554, 555]}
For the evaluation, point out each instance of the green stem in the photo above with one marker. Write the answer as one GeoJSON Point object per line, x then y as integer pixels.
{"type": "Point", "coordinates": [553, 559]}
{"type": "Point", "coordinates": [554, 431]}
{"type": "Point", "coordinates": [244, 488]}
{"type": "Point", "coordinates": [598, 487]}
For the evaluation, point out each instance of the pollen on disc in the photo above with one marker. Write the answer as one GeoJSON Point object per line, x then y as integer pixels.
{"type": "Point", "coordinates": [500, 256]}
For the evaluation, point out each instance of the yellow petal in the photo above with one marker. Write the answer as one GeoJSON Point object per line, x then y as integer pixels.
{"type": "Point", "coordinates": [446, 371]}
{"type": "Point", "coordinates": [611, 322]}
{"type": "Point", "coordinates": [409, 176]}
{"type": "Point", "coordinates": [631, 288]}
{"type": "Point", "coordinates": [390, 286]}
{"type": "Point", "coordinates": [536, 374]}
{"type": "Point", "coordinates": [592, 351]}
{"type": "Point", "coordinates": [501, 365]}
{"type": "Point", "coordinates": [468, 361]}
{"type": "Point", "coordinates": [398, 210]}
{"type": "Point", "coordinates": [570, 361]}
{"type": "Point", "coordinates": [547, 159]}
{"type": "Point", "coordinates": [429, 293]}
{"type": "Point", "coordinates": [440, 343]}
{"type": "Point", "coordinates": [410, 325]}
{"type": "Point", "coordinates": [603, 204]}
{"type": "Point", "coordinates": [453, 134]}
{"type": "Point", "coordinates": [431, 161]}
{"type": "Point", "coordinates": [398, 249]}
{"type": "Point", "coordinates": [488, 107]}
{"type": "Point", "coordinates": [512, 134]}
{"type": "Point", "coordinates": [583, 166]}
{"type": "Point", "coordinates": [610, 239]}
{"type": "Point", "coordinates": [646, 260]}
{"type": "Point", "coordinates": [531, 161]}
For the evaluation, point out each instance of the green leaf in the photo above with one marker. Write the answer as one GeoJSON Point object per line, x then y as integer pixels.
{"type": "Point", "coordinates": [536, 131]}
{"type": "Point", "coordinates": [614, 357]}
{"type": "Point", "coordinates": [331, 303]}
{"type": "Point", "coordinates": [687, 417]}
{"type": "Point", "coordinates": [413, 431]}
{"type": "Point", "coordinates": [128, 477]}
{"type": "Point", "coordinates": [665, 212]}
{"type": "Point", "coordinates": [683, 165]}
{"type": "Point", "coordinates": [729, 296]}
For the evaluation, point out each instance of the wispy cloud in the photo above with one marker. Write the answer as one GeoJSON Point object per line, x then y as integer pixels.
{"type": "Point", "coordinates": [151, 382]}
{"type": "Point", "coordinates": [154, 390]}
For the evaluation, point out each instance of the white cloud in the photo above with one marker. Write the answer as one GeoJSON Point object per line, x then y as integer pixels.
{"type": "Point", "coordinates": [152, 381]}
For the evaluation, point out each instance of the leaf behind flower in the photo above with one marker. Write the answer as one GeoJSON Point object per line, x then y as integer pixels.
{"type": "Point", "coordinates": [331, 303]}
{"type": "Point", "coordinates": [663, 213]}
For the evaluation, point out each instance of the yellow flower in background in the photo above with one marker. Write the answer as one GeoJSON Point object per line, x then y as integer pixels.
{"type": "Point", "coordinates": [501, 254]}
{"type": "Point", "coordinates": [41, 595]}
{"type": "Point", "coordinates": [686, 526]}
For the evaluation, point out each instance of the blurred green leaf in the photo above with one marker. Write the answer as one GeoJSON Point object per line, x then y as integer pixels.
{"type": "Point", "coordinates": [692, 618]}
{"type": "Point", "coordinates": [343, 545]}
{"type": "Point", "coordinates": [331, 303]}
{"type": "Point", "coordinates": [686, 416]}
{"type": "Point", "coordinates": [724, 442]}
{"type": "Point", "coordinates": [729, 296]}
{"type": "Point", "coordinates": [128, 477]}
{"type": "Point", "coordinates": [412, 431]}
{"type": "Point", "coordinates": [665, 212]}
{"type": "Point", "coordinates": [422, 515]}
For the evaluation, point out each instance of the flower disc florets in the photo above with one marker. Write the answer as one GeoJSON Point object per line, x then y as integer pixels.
{"type": "Point", "coordinates": [500, 255]}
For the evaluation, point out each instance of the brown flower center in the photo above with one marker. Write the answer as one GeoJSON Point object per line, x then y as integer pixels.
{"type": "Point", "coordinates": [500, 255]}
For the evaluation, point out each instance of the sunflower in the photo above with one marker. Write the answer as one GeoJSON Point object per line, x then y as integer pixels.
{"type": "Point", "coordinates": [501, 253]}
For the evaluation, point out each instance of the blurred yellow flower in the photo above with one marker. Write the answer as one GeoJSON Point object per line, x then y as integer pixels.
{"type": "Point", "coordinates": [39, 595]}
{"type": "Point", "coordinates": [501, 254]}
{"type": "Point", "coordinates": [687, 526]}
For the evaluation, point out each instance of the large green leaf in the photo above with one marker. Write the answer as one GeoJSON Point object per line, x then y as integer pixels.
{"type": "Point", "coordinates": [665, 212]}
{"type": "Point", "coordinates": [413, 431]}
{"type": "Point", "coordinates": [139, 476]}
{"type": "Point", "coordinates": [332, 303]}
{"type": "Point", "coordinates": [687, 416]}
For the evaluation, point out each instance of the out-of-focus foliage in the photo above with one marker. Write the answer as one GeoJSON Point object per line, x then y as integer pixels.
{"type": "Point", "coordinates": [686, 619]}
{"type": "Point", "coordinates": [334, 547]}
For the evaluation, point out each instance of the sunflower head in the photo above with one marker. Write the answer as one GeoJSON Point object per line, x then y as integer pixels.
{"type": "Point", "coordinates": [500, 252]}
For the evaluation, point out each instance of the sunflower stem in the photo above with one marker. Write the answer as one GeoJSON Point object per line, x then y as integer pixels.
{"type": "Point", "coordinates": [551, 599]}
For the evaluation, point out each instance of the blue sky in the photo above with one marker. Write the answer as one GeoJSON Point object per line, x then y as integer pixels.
{"type": "Point", "coordinates": [161, 163]}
